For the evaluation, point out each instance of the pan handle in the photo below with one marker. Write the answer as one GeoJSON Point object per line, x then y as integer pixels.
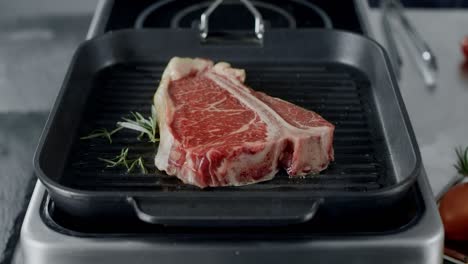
{"type": "Point", "coordinates": [205, 17]}
{"type": "Point", "coordinates": [225, 212]}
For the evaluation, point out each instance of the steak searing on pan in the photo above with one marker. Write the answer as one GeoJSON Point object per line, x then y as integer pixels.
{"type": "Point", "coordinates": [215, 131]}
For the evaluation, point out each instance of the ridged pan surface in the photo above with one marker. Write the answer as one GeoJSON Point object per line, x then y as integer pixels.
{"type": "Point", "coordinates": [339, 93]}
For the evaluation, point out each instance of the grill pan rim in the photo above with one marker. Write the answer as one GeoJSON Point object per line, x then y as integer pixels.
{"type": "Point", "coordinates": [62, 190]}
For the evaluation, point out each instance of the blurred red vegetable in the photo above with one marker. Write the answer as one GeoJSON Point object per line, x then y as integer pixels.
{"type": "Point", "coordinates": [465, 47]}
{"type": "Point", "coordinates": [453, 209]}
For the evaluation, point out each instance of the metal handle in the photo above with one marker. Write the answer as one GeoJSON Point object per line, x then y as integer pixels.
{"type": "Point", "coordinates": [204, 19]}
{"type": "Point", "coordinates": [228, 212]}
{"type": "Point", "coordinates": [425, 58]}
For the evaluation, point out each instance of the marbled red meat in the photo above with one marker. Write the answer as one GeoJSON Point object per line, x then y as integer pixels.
{"type": "Point", "coordinates": [215, 131]}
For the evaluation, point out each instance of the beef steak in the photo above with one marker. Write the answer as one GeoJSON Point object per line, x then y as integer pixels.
{"type": "Point", "coordinates": [215, 131]}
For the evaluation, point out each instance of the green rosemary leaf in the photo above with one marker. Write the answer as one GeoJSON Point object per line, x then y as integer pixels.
{"type": "Point", "coordinates": [141, 164]}
{"type": "Point", "coordinates": [133, 126]}
{"type": "Point", "coordinates": [146, 126]}
{"type": "Point", "coordinates": [111, 162]}
{"type": "Point", "coordinates": [132, 165]}
{"type": "Point", "coordinates": [97, 133]}
{"type": "Point", "coordinates": [104, 133]}
{"type": "Point", "coordinates": [123, 160]}
{"type": "Point", "coordinates": [462, 162]}
{"type": "Point", "coordinates": [119, 160]}
{"type": "Point", "coordinates": [115, 130]}
{"type": "Point", "coordinates": [141, 135]}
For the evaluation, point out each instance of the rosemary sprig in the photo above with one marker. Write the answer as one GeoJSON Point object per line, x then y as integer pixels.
{"type": "Point", "coordinates": [146, 126]}
{"type": "Point", "coordinates": [129, 164]}
{"type": "Point", "coordinates": [104, 133]}
{"type": "Point", "coordinates": [120, 159]}
{"type": "Point", "coordinates": [138, 163]}
{"type": "Point", "coordinates": [462, 163]}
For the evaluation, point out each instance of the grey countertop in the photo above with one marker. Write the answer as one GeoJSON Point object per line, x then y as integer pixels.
{"type": "Point", "coordinates": [18, 136]}
{"type": "Point", "coordinates": [34, 55]}
{"type": "Point", "coordinates": [439, 117]}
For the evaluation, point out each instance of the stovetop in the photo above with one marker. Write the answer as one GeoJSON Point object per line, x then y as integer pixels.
{"type": "Point", "coordinates": [410, 231]}
{"type": "Point", "coordinates": [232, 15]}
{"type": "Point", "coordinates": [49, 237]}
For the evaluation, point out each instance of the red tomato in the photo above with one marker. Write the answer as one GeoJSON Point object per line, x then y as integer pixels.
{"type": "Point", "coordinates": [453, 209]}
{"type": "Point", "coordinates": [465, 47]}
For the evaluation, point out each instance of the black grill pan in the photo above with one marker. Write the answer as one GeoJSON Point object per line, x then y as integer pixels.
{"type": "Point", "coordinates": [344, 77]}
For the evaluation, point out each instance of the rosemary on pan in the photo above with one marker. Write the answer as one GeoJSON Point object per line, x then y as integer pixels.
{"type": "Point", "coordinates": [138, 163]}
{"type": "Point", "coordinates": [104, 133]}
{"type": "Point", "coordinates": [462, 163]}
{"type": "Point", "coordinates": [146, 126]}
{"type": "Point", "coordinates": [123, 160]}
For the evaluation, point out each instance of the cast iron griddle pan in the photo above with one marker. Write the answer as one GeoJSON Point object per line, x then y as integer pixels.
{"type": "Point", "coordinates": [344, 77]}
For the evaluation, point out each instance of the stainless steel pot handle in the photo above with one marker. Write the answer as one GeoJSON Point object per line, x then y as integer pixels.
{"type": "Point", "coordinates": [229, 212]}
{"type": "Point", "coordinates": [204, 19]}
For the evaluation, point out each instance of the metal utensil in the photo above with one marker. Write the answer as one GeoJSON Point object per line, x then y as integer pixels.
{"type": "Point", "coordinates": [425, 58]}
{"type": "Point", "coordinates": [395, 57]}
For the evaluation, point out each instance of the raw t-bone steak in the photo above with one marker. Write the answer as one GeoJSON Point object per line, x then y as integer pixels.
{"type": "Point", "coordinates": [215, 131]}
